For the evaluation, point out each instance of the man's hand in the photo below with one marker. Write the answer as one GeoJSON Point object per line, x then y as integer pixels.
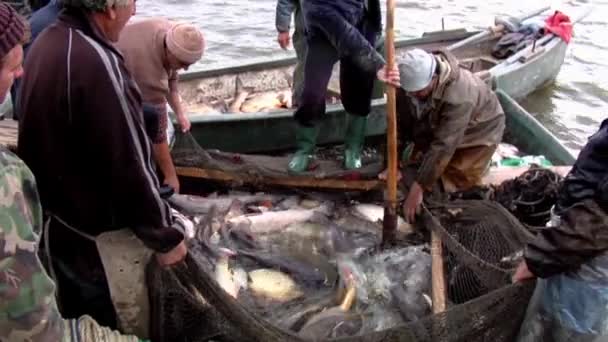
{"type": "Point", "coordinates": [389, 76]}
{"type": "Point", "coordinates": [184, 123]}
{"type": "Point", "coordinates": [522, 273]}
{"type": "Point", "coordinates": [174, 256]}
{"type": "Point", "coordinates": [284, 39]}
{"type": "Point", "coordinates": [411, 207]}
{"type": "Point", "coordinates": [384, 175]}
{"type": "Point", "coordinates": [173, 182]}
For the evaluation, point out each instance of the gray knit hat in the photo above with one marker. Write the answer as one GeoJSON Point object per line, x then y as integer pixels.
{"type": "Point", "coordinates": [12, 29]}
{"type": "Point", "coordinates": [416, 69]}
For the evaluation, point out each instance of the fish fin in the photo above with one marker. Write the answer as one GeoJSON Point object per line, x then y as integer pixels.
{"type": "Point", "coordinates": [428, 300]}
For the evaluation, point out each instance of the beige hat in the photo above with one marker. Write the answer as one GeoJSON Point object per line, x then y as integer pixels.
{"type": "Point", "coordinates": [185, 42]}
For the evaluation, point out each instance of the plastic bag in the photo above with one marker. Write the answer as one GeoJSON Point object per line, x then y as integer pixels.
{"type": "Point", "coordinates": [570, 306]}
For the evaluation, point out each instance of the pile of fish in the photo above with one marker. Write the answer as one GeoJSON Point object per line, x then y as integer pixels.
{"type": "Point", "coordinates": [310, 264]}
{"type": "Point", "coordinates": [245, 102]}
{"type": "Point", "coordinates": [248, 102]}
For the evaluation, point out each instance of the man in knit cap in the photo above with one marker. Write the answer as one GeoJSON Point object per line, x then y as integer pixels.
{"type": "Point", "coordinates": [449, 120]}
{"type": "Point", "coordinates": [39, 20]}
{"type": "Point", "coordinates": [82, 134]}
{"type": "Point", "coordinates": [154, 50]}
{"type": "Point", "coordinates": [27, 293]}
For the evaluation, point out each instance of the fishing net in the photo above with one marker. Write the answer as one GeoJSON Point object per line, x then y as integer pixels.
{"type": "Point", "coordinates": [187, 153]}
{"type": "Point", "coordinates": [479, 238]}
{"type": "Point", "coordinates": [529, 197]}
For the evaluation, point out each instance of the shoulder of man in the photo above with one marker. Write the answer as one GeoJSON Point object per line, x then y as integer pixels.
{"type": "Point", "coordinates": [27, 304]}
{"type": "Point", "coordinates": [20, 202]}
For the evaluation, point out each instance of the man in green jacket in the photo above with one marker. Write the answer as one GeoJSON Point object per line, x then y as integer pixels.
{"type": "Point", "coordinates": [452, 119]}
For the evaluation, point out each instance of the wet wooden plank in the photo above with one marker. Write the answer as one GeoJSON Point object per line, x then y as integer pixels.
{"type": "Point", "coordinates": [8, 134]}
{"type": "Point", "coordinates": [305, 182]}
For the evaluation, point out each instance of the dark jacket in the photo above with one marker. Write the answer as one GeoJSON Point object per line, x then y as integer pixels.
{"type": "Point", "coordinates": [583, 206]}
{"type": "Point", "coordinates": [284, 10]}
{"type": "Point", "coordinates": [82, 133]}
{"type": "Point", "coordinates": [346, 23]}
{"type": "Point", "coordinates": [39, 20]}
{"type": "Point", "coordinates": [462, 112]}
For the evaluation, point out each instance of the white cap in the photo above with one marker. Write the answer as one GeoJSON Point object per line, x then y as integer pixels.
{"type": "Point", "coordinates": [416, 69]}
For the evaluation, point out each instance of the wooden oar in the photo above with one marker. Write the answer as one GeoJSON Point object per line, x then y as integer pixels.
{"type": "Point", "coordinates": [495, 29]}
{"type": "Point", "coordinates": [390, 209]}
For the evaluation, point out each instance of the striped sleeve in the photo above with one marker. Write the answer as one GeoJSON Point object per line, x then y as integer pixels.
{"type": "Point", "coordinates": [121, 140]}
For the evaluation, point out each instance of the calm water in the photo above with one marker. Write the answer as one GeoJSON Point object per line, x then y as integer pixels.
{"type": "Point", "coordinates": [572, 108]}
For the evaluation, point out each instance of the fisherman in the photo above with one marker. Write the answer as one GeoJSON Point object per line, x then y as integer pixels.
{"type": "Point", "coordinates": [27, 315]}
{"type": "Point", "coordinates": [155, 50]}
{"type": "Point", "coordinates": [450, 122]}
{"type": "Point", "coordinates": [39, 20]}
{"type": "Point", "coordinates": [82, 134]}
{"type": "Point", "coordinates": [345, 31]}
{"type": "Point", "coordinates": [571, 256]}
{"type": "Point", "coordinates": [284, 11]}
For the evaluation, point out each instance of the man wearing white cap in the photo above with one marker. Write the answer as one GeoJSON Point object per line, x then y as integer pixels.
{"type": "Point", "coordinates": [449, 119]}
{"type": "Point", "coordinates": [154, 50]}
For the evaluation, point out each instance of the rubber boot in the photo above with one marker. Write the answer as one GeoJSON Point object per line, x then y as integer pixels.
{"type": "Point", "coordinates": [353, 141]}
{"type": "Point", "coordinates": [306, 138]}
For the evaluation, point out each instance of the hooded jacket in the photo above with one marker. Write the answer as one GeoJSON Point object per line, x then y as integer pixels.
{"type": "Point", "coordinates": [461, 112]}
{"type": "Point", "coordinates": [583, 206]}
{"type": "Point", "coordinates": [342, 23]}
{"type": "Point", "coordinates": [82, 134]}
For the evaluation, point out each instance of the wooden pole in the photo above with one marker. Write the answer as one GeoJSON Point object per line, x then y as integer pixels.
{"type": "Point", "coordinates": [390, 210]}
{"type": "Point", "coordinates": [438, 278]}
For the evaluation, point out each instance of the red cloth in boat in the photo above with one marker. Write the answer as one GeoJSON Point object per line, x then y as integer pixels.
{"type": "Point", "coordinates": [560, 25]}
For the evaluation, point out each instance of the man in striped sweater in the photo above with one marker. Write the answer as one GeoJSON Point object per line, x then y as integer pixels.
{"type": "Point", "coordinates": [82, 134]}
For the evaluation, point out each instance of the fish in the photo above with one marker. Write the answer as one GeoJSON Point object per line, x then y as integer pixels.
{"type": "Point", "coordinates": [203, 108]}
{"type": "Point", "coordinates": [289, 264]}
{"type": "Point", "coordinates": [375, 213]}
{"type": "Point", "coordinates": [336, 321]}
{"type": "Point", "coordinates": [266, 101]}
{"type": "Point", "coordinates": [235, 106]}
{"type": "Point", "coordinates": [274, 221]}
{"type": "Point", "coordinates": [231, 279]}
{"type": "Point", "coordinates": [293, 317]}
{"type": "Point", "coordinates": [196, 205]}
{"type": "Point", "coordinates": [273, 285]}
{"type": "Point", "coordinates": [332, 323]}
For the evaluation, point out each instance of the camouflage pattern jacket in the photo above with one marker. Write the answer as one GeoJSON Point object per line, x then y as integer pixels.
{"type": "Point", "coordinates": [28, 311]}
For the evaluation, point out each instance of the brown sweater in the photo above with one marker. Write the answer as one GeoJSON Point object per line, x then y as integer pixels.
{"type": "Point", "coordinates": [82, 134]}
{"type": "Point", "coordinates": [142, 44]}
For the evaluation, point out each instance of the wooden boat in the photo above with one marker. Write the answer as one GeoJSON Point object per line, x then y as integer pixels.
{"type": "Point", "coordinates": [207, 93]}
{"type": "Point", "coordinates": [522, 130]}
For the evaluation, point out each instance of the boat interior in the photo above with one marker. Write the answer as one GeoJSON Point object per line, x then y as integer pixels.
{"type": "Point", "coordinates": [266, 87]}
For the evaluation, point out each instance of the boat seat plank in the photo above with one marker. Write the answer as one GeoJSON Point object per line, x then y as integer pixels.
{"type": "Point", "coordinates": [8, 134]}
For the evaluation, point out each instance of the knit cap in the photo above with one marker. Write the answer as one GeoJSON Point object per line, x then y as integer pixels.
{"type": "Point", "coordinates": [185, 42]}
{"type": "Point", "coordinates": [12, 29]}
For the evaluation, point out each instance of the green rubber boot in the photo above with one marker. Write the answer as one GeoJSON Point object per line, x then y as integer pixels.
{"type": "Point", "coordinates": [306, 138]}
{"type": "Point", "coordinates": [355, 134]}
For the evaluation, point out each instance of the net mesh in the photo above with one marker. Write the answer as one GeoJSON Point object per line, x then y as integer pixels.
{"type": "Point", "coordinates": [477, 235]}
